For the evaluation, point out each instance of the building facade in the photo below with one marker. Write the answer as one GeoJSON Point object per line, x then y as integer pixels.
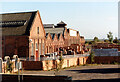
{"type": "Point", "coordinates": [24, 34]}
{"type": "Point", "coordinates": [59, 36]}
{"type": "Point", "coordinates": [106, 46]}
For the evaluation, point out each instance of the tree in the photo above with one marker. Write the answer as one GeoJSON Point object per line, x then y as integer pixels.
{"type": "Point", "coordinates": [92, 57]}
{"type": "Point", "coordinates": [110, 37]}
{"type": "Point", "coordinates": [96, 39]}
{"type": "Point", "coordinates": [60, 64]}
{"type": "Point", "coordinates": [116, 40]}
{"type": "Point", "coordinates": [91, 42]}
{"type": "Point", "coordinates": [106, 40]}
{"type": "Point", "coordinates": [86, 42]}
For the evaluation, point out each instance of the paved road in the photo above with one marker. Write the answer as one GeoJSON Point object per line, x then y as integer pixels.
{"type": "Point", "coordinates": [85, 72]}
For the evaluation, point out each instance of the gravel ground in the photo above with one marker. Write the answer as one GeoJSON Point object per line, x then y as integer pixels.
{"type": "Point", "coordinates": [84, 72]}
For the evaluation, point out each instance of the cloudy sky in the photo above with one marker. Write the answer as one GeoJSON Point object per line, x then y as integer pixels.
{"type": "Point", "coordinates": [93, 18]}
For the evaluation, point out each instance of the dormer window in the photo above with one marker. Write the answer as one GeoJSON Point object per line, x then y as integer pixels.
{"type": "Point", "coordinates": [37, 30]}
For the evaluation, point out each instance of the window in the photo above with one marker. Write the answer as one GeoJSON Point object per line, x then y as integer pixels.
{"type": "Point", "coordinates": [32, 50]}
{"type": "Point", "coordinates": [36, 46]}
{"type": "Point", "coordinates": [40, 48]}
{"type": "Point", "coordinates": [37, 30]}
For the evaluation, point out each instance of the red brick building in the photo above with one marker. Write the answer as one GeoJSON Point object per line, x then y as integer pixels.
{"type": "Point", "coordinates": [58, 36]}
{"type": "Point", "coordinates": [106, 53]}
{"type": "Point", "coordinates": [106, 46]}
{"type": "Point", "coordinates": [23, 34]}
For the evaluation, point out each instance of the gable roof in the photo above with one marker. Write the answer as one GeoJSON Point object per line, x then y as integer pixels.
{"type": "Point", "coordinates": [46, 35]}
{"type": "Point", "coordinates": [52, 35]}
{"type": "Point", "coordinates": [58, 36]}
{"type": "Point", "coordinates": [61, 22]}
{"type": "Point", "coordinates": [16, 23]}
{"type": "Point", "coordinates": [54, 30]}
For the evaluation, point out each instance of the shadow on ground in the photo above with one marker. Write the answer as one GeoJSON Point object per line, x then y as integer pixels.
{"type": "Point", "coordinates": [99, 80]}
{"type": "Point", "coordinates": [104, 70]}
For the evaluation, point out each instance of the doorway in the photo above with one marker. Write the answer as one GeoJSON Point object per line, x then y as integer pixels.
{"type": "Point", "coordinates": [37, 57]}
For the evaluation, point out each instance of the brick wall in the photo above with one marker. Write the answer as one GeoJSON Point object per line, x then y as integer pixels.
{"type": "Point", "coordinates": [18, 45]}
{"type": "Point", "coordinates": [106, 59]}
{"type": "Point", "coordinates": [37, 38]}
{"type": "Point", "coordinates": [69, 62]}
{"type": "Point", "coordinates": [47, 65]}
{"type": "Point", "coordinates": [52, 64]}
{"type": "Point", "coordinates": [32, 65]}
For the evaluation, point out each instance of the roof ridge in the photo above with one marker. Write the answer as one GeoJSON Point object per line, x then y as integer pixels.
{"type": "Point", "coordinates": [18, 12]}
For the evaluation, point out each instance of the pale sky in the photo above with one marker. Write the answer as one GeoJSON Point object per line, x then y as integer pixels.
{"type": "Point", "coordinates": [89, 18]}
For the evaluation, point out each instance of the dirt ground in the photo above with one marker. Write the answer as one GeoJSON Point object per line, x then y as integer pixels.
{"type": "Point", "coordinates": [81, 73]}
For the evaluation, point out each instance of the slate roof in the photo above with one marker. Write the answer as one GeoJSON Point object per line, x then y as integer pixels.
{"type": "Point", "coordinates": [81, 36]}
{"type": "Point", "coordinates": [68, 30]}
{"type": "Point", "coordinates": [16, 23]}
{"type": "Point", "coordinates": [52, 35]}
{"type": "Point", "coordinates": [61, 22]}
{"type": "Point", "coordinates": [54, 30]}
{"type": "Point", "coordinates": [51, 28]}
{"type": "Point", "coordinates": [48, 25]}
{"type": "Point", "coordinates": [46, 35]}
{"type": "Point", "coordinates": [60, 25]}
{"type": "Point", "coordinates": [58, 35]}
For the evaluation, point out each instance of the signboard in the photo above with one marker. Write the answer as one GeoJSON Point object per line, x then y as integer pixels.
{"type": "Point", "coordinates": [73, 33]}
